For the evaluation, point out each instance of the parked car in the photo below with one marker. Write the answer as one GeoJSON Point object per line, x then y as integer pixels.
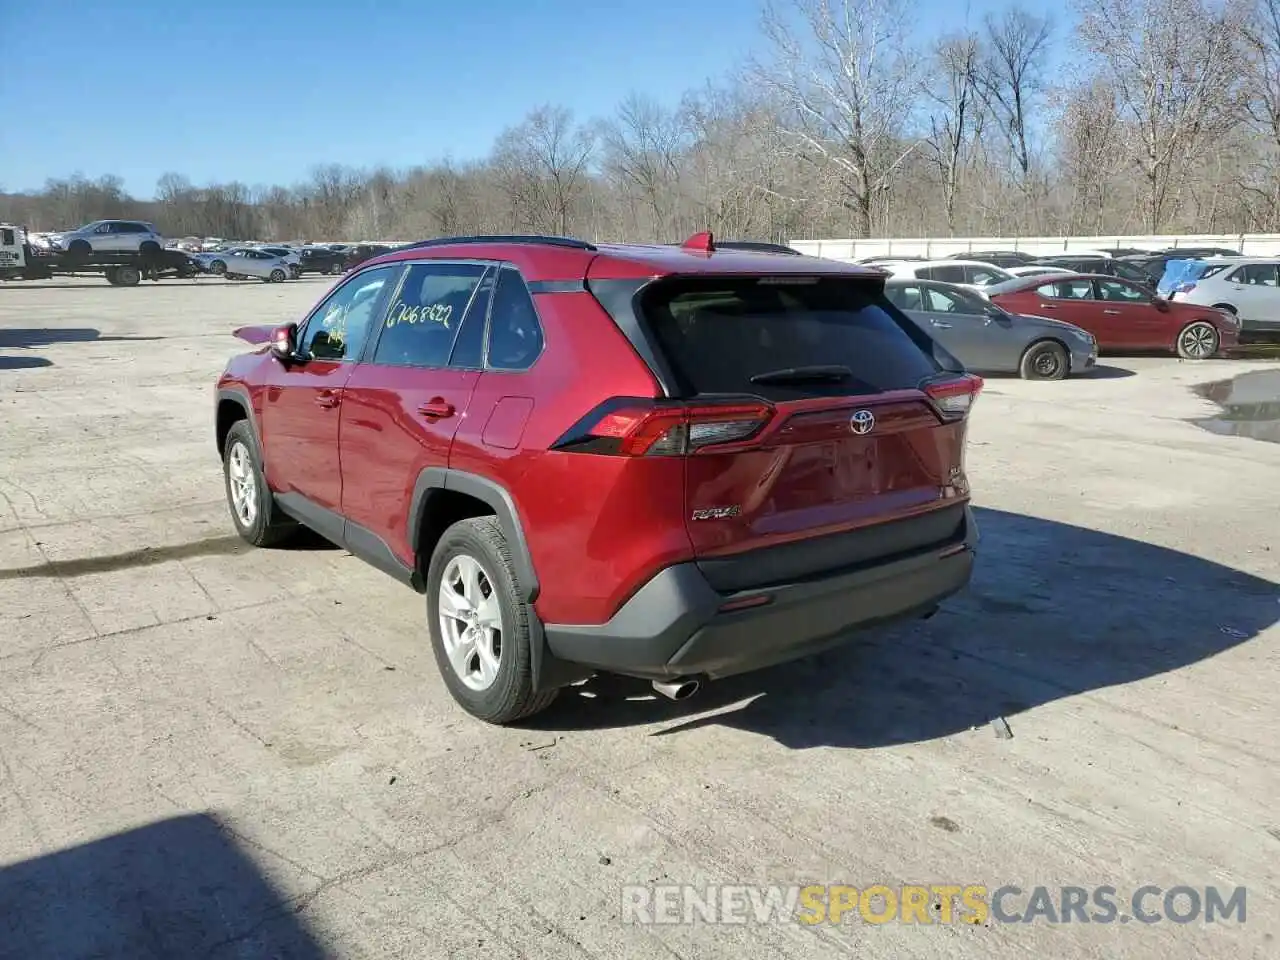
{"type": "Point", "coordinates": [288, 254]}
{"type": "Point", "coordinates": [1034, 270]}
{"type": "Point", "coordinates": [880, 261]}
{"type": "Point", "coordinates": [1124, 252]}
{"type": "Point", "coordinates": [110, 236]}
{"type": "Point", "coordinates": [987, 339]}
{"type": "Point", "coordinates": [1104, 265]}
{"type": "Point", "coordinates": [997, 258]}
{"type": "Point", "coordinates": [321, 260]}
{"type": "Point", "coordinates": [969, 273]}
{"type": "Point", "coordinates": [1196, 253]}
{"type": "Point", "coordinates": [363, 251]}
{"type": "Point", "coordinates": [240, 262]}
{"type": "Point", "coordinates": [616, 458]}
{"type": "Point", "coordinates": [1121, 315]}
{"type": "Point", "coordinates": [1247, 289]}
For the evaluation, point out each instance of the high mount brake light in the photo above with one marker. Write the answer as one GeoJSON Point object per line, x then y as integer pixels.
{"type": "Point", "coordinates": [638, 429]}
{"type": "Point", "coordinates": [954, 397]}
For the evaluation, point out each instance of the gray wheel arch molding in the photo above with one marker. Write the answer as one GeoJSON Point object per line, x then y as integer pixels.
{"type": "Point", "coordinates": [241, 399]}
{"type": "Point", "coordinates": [488, 492]}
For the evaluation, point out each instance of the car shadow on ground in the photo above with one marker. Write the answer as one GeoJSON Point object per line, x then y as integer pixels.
{"type": "Point", "coordinates": [1054, 610]}
{"type": "Point", "coordinates": [27, 337]}
{"type": "Point", "coordinates": [24, 363]}
{"type": "Point", "coordinates": [177, 888]}
{"type": "Point", "coordinates": [1097, 373]}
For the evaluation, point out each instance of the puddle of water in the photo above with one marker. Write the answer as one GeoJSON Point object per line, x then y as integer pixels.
{"type": "Point", "coordinates": [1250, 406]}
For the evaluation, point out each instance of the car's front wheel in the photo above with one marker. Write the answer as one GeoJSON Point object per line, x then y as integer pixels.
{"type": "Point", "coordinates": [277, 276]}
{"type": "Point", "coordinates": [1198, 341]}
{"type": "Point", "coordinates": [480, 626]}
{"type": "Point", "coordinates": [1044, 360]}
{"type": "Point", "coordinates": [254, 512]}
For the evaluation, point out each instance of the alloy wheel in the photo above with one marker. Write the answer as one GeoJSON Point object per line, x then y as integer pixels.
{"type": "Point", "coordinates": [1199, 341]}
{"type": "Point", "coordinates": [471, 622]}
{"type": "Point", "coordinates": [244, 484]}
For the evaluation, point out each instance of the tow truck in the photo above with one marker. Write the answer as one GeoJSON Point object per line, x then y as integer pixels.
{"type": "Point", "coordinates": [19, 260]}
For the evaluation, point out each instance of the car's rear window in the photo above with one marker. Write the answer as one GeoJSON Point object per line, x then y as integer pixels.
{"type": "Point", "coordinates": [719, 333]}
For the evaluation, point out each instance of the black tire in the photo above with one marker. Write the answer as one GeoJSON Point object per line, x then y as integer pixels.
{"type": "Point", "coordinates": [149, 248]}
{"type": "Point", "coordinates": [80, 248]}
{"type": "Point", "coordinates": [1198, 340]}
{"type": "Point", "coordinates": [1044, 360]}
{"type": "Point", "coordinates": [218, 267]}
{"type": "Point", "coordinates": [269, 526]}
{"type": "Point", "coordinates": [111, 277]}
{"type": "Point", "coordinates": [332, 269]}
{"type": "Point", "coordinates": [277, 276]}
{"type": "Point", "coordinates": [127, 276]}
{"type": "Point", "coordinates": [511, 696]}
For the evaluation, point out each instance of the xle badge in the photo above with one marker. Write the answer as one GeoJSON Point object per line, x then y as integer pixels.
{"type": "Point", "coordinates": [716, 513]}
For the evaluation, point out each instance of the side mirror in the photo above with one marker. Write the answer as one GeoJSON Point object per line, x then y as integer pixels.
{"type": "Point", "coordinates": [1161, 304]}
{"type": "Point", "coordinates": [284, 344]}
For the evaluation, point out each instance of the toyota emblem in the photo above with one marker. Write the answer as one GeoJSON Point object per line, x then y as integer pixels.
{"type": "Point", "coordinates": [862, 422]}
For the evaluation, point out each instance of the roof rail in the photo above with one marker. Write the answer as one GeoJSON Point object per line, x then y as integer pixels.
{"type": "Point", "coordinates": [534, 239]}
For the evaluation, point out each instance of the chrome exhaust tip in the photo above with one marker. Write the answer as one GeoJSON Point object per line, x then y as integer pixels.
{"type": "Point", "coordinates": [681, 688]}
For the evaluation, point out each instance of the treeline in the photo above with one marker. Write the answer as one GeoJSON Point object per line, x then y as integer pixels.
{"type": "Point", "coordinates": [1125, 116]}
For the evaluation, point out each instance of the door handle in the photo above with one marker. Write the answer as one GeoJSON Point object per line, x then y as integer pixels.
{"type": "Point", "coordinates": [1112, 313]}
{"type": "Point", "coordinates": [327, 398]}
{"type": "Point", "coordinates": [1048, 306]}
{"type": "Point", "coordinates": [436, 409]}
{"type": "Point", "coordinates": [944, 326]}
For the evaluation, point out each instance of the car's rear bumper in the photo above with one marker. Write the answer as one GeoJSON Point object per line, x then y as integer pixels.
{"type": "Point", "coordinates": [676, 624]}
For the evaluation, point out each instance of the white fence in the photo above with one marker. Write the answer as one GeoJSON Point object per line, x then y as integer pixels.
{"type": "Point", "coordinates": [1251, 245]}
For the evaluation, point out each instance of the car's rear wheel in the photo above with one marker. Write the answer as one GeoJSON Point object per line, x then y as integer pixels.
{"type": "Point", "coordinates": [480, 626]}
{"type": "Point", "coordinates": [127, 277]}
{"type": "Point", "coordinates": [149, 248]}
{"type": "Point", "coordinates": [80, 248]}
{"type": "Point", "coordinates": [1044, 360]}
{"type": "Point", "coordinates": [254, 512]}
{"type": "Point", "coordinates": [333, 268]}
{"type": "Point", "coordinates": [218, 267]}
{"type": "Point", "coordinates": [277, 276]}
{"type": "Point", "coordinates": [1197, 341]}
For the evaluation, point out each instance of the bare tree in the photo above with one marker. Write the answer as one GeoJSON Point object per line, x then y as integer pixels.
{"type": "Point", "coordinates": [1174, 66]}
{"type": "Point", "coordinates": [1011, 78]}
{"type": "Point", "coordinates": [545, 159]}
{"type": "Point", "coordinates": [643, 147]}
{"type": "Point", "coordinates": [845, 89]}
{"type": "Point", "coordinates": [1261, 102]}
{"type": "Point", "coordinates": [952, 101]}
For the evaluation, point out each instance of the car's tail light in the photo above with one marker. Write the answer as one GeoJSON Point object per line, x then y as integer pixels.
{"type": "Point", "coordinates": [954, 396]}
{"type": "Point", "coordinates": [640, 428]}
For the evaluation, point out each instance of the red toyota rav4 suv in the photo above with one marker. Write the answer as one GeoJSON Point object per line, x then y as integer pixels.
{"type": "Point", "coordinates": [671, 462]}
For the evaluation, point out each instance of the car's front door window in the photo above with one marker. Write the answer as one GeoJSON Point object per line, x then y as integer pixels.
{"type": "Point", "coordinates": [338, 329]}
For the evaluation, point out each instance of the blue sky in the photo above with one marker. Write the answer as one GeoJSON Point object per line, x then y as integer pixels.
{"type": "Point", "coordinates": [263, 91]}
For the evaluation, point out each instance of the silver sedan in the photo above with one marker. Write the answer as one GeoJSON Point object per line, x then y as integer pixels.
{"type": "Point", "coordinates": [985, 339]}
{"type": "Point", "coordinates": [242, 262]}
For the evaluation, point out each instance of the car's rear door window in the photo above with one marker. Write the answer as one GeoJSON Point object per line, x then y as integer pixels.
{"type": "Point", "coordinates": [1067, 290]}
{"type": "Point", "coordinates": [422, 324]}
{"type": "Point", "coordinates": [720, 333]}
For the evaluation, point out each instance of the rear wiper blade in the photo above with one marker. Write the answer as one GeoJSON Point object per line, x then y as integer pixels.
{"type": "Point", "coordinates": [833, 372]}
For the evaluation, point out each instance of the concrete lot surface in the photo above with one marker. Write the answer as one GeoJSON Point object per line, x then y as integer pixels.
{"type": "Point", "coordinates": [211, 751]}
